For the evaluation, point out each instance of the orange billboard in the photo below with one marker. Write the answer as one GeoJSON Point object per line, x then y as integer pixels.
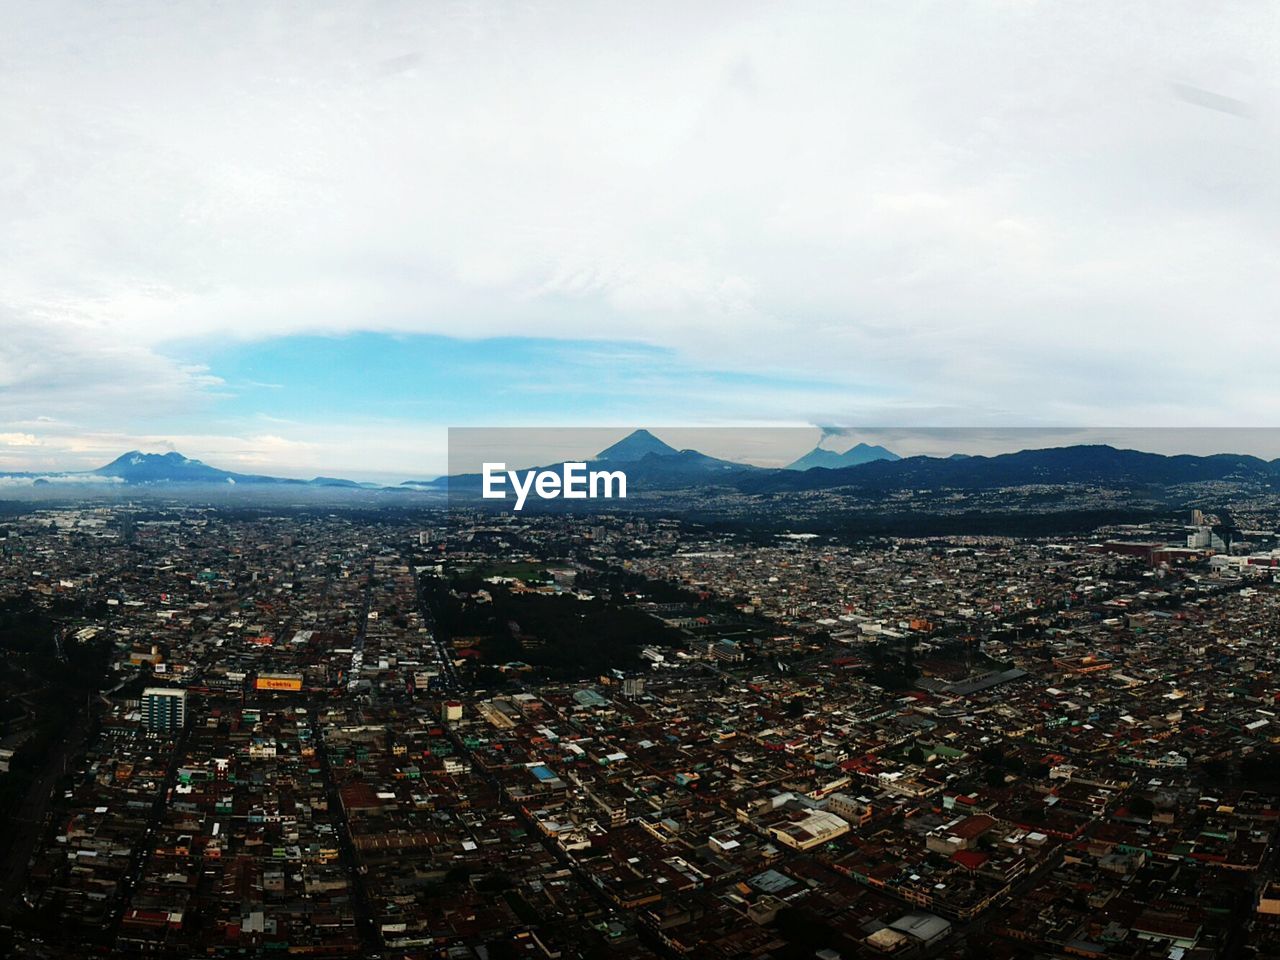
{"type": "Point", "coordinates": [278, 683]}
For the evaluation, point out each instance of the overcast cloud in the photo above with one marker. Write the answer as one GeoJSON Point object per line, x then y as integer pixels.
{"type": "Point", "coordinates": [1007, 211]}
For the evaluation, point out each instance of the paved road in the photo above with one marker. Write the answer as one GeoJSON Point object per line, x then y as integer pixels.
{"type": "Point", "coordinates": [155, 816]}
{"type": "Point", "coordinates": [360, 905]}
{"type": "Point", "coordinates": [448, 672]}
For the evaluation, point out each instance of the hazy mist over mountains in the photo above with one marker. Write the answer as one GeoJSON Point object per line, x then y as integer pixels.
{"type": "Point", "coordinates": [651, 463]}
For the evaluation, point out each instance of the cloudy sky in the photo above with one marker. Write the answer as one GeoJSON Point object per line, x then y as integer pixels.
{"type": "Point", "coordinates": [306, 238]}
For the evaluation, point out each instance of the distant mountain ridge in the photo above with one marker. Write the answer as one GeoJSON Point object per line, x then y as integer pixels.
{"type": "Point", "coordinates": [648, 462]}
{"type": "Point", "coordinates": [652, 464]}
{"type": "Point", "coordinates": [1095, 464]}
{"type": "Point", "coordinates": [636, 446]}
{"type": "Point", "coordinates": [860, 453]}
{"type": "Point", "coordinates": [136, 468]}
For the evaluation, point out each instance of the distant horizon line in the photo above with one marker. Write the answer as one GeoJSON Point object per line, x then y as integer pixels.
{"type": "Point", "coordinates": [834, 440]}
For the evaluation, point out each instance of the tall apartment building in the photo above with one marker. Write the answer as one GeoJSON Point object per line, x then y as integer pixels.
{"type": "Point", "coordinates": [164, 710]}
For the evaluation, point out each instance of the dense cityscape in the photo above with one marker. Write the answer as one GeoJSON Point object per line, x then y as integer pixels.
{"type": "Point", "coordinates": [410, 733]}
{"type": "Point", "coordinates": [493, 479]}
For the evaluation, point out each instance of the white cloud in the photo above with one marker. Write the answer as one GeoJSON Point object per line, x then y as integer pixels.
{"type": "Point", "coordinates": [1010, 210]}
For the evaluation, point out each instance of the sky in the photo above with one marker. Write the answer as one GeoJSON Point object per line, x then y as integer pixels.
{"type": "Point", "coordinates": [307, 238]}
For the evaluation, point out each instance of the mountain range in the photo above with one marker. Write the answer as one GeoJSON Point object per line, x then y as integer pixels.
{"type": "Point", "coordinates": [855, 455]}
{"type": "Point", "coordinates": [652, 464]}
{"type": "Point", "coordinates": [136, 468]}
{"type": "Point", "coordinates": [1088, 464]}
